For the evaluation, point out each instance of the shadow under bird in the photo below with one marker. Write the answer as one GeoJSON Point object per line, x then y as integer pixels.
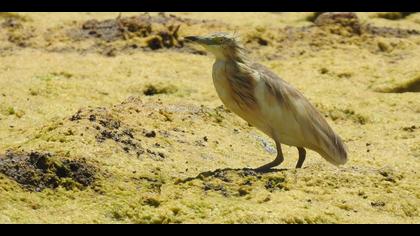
{"type": "Point", "coordinates": [269, 103]}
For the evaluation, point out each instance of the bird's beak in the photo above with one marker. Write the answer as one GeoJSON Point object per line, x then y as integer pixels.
{"type": "Point", "coordinates": [199, 39]}
{"type": "Point", "coordinates": [192, 38]}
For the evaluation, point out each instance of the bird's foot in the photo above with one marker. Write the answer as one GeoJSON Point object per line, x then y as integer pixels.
{"type": "Point", "coordinates": [262, 170]}
{"type": "Point", "coordinates": [267, 167]}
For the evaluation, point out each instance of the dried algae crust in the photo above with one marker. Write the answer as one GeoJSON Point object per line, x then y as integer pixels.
{"type": "Point", "coordinates": [100, 130]}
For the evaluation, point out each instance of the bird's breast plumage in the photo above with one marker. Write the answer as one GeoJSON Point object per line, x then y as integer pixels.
{"type": "Point", "coordinates": [244, 102]}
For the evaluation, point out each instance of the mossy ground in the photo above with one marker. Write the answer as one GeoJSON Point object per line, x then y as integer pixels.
{"type": "Point", "coordinates": [163, 148]}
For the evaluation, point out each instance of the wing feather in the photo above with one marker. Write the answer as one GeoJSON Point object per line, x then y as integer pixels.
{"type": "Point", "coordinates": [317, 134]}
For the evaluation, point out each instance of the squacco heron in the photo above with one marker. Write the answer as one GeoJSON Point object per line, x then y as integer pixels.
{"type": "Point", "coordinates": [269, 103]}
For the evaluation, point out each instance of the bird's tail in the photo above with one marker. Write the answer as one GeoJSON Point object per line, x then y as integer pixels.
{"type": "Point", "coordinates": [335, 151]}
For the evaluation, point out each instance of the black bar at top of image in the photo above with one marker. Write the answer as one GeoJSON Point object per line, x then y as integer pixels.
{"type": "Point", "coordinates": [210, 5]}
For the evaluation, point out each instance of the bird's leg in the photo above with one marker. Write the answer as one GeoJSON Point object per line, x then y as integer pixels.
{"type": "Point", "coordinates": [279, 159]}
{"type": "Point", "coordinates": [302, 155]}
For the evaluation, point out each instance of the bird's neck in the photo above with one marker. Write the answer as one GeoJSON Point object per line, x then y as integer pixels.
{"type": "Point", "coordinates": [232, 55]}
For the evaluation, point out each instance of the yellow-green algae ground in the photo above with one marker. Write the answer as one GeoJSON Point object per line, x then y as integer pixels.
{"type": "Point", "coordinates": [178, 156]}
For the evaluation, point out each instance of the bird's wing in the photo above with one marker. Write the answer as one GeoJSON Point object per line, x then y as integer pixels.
{"type": "Point", "coordinates": [318, 135]}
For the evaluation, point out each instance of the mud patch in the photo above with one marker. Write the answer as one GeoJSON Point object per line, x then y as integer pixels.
{"type": "Point", "coordinates": [36, 171]}
{"type": "Point", "coordinates": [150, 183]}
{"type": "Point", "coordinates": [221, 174]}
{"type": "Point", "coordinates": [145, 32]}
{"type": "Point", "coordinates": [109, 127]}
{"type": "Point", "coordinates": [410, 86]}
{"type": "Point", "coordinates": [391, 32]}
{"type": "Point", "coordinates": [390, 175]}
{"type": "Point", "coordinates": [164, 27]}
{"type": "Point", "coordinates": [410, 128]}
{"type": "Point", "coordinates": [394, 15]}
{"type": "Point", "coordinates": [151, 90]}
{"type": "Point", "coordinates": [114, 125]}
{"type": "Point", "coordinates": [159, 31]}
{"type": "Point", "coordinates": [276, 183]}
{"type": "Point", "coordinates": [12, 23]}
{"type": "Point", "coordinates": [339, 21]}
{"type": "Point", "coordinates": [239, 182]}
{"type": "Point", "coordinates": [349, 21]}
{"type": "Point", "coordinates": [216, 187]}
{"type": "Point", "coordinates": [341, 30]}
{"type": "Point", "coordinates": [15, 31]}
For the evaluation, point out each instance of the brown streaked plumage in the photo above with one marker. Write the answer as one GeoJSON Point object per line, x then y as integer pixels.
{"type": "Point", "coordinates": [269, 103]}
{"type": "Point", "coordinates": [242, 87]}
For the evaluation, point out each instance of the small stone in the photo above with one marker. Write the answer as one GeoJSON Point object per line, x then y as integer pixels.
{"type": "Point", "coordinates": [243, 192]}
{"type": "Point", "coordinates": [377, 204]}
{"type": "Point", "coordinates": [151, 134]}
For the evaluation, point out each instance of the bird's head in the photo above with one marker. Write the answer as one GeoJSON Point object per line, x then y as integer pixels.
{"type": "Point", "coordinates": [222, 45]}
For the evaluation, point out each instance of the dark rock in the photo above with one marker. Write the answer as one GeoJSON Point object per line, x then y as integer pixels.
{"type": "Point", "coordinates": [36, 171]}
